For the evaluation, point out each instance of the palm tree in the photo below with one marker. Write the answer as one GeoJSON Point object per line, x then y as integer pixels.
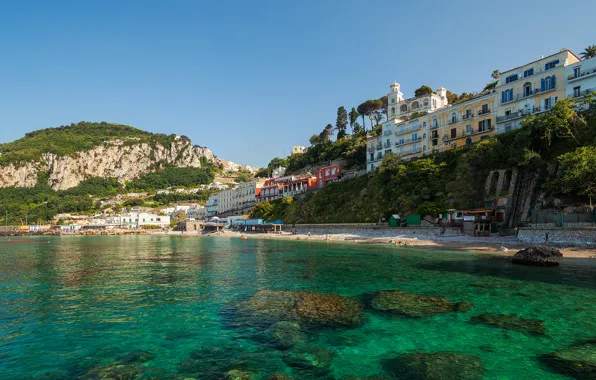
{"type": "Point", "coordinates": [590, 52]}
{"type": "Point", "coordinates": [496, 74]}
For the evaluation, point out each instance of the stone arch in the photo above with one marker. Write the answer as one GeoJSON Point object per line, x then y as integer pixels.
{"type": "Point", "coordinates": [393, 110]}
{"type": "Point", "coordinates": [507, 180]}
{"type": "Point", "coordinates": [403, 108]}
{"type": "Point", "coordinates": [494, 181]}
{"type": "Point", "coordinates": [415, 105]}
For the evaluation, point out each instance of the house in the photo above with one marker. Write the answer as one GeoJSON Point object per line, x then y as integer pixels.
{"type": "Point", "coordinates": [399, 107]}
{"type": "Point", "coordinates": [296, 149]}
{"type": "Point", "coordinates": [240, 198]}
{"type": "Point", "coordinates": [328, 174]}
{"type": "Point", "coordinates": [531, 88]}
{"type": "Point", "coordinates": [196, 212]}
{"type": "Point", "coordinates": [135, 220]}
{"type": "Point", "coordinates": [271, 189]}
{"type": "Point", "coordinates": [580, 79]}
{"type": "Point", "coordinates": [211, 206]}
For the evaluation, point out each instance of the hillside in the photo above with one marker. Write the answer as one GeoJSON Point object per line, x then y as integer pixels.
{"type": "Point", "coordinates": [69, 155]}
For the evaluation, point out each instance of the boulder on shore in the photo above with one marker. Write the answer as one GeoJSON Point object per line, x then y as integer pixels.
{"type": "Point", "coordinates": [311, 309]}
{"type": "Point", "coordinates": [414, 305]}
{"type": "Point", "coordinates": [511, 322]}
{"type": "Point", "coordinates": [539, 256]}
{"type": "Point", "coordinates": [576, 362]}
{"type": "Point", "coordinates": [435, 366]}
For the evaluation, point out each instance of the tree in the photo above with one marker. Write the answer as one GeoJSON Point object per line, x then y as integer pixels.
{"type": "Point", "coordinates": [422, 91]}
{"type": "Point", "coordinates": [341, 124]}
{"type": "Point", "coordinates": [369, 108]}
{"type": "Point", "coordinates": [385, 108]}
{"type": "Point", "coordinates": [496, 74]}
{"type": "Point", "coordinates": [451, 97]}
{"type": "Point", "coordinates": [314, 140]}
{"type": "Point", "coordinates": [326, 133]}
{"type": "Point", "coordinates": [417, 114]}
{"type": "Point", "coordinates": [590, 52]}
{"type": "Point", "coordinates": [378, 118]}
{"type": "Point", "coordinates": [578, 173]}
{"type": "Point", "coordinates": [353, 118]}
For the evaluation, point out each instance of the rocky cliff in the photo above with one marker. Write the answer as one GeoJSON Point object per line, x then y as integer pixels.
{"type": "Point", "coordinates": [112, 159]}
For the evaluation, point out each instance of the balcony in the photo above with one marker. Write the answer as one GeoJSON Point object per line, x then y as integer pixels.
{"type": "Point", "coordinates": [483, 112]}
{"type": "Point", "coordinates": [412, 151]}
{"type": "Point", "coordinates": [387, 145]}
{"type": "Point", "coordinates": [379, 146]}
{"type": "Point", "coordinates": [371, 149]}
{"type": "Point", "coordinates": [513, 115]}
{"type": "Point", "coordinates": [467, 117]}
{"type": "Point", "coordinates": [582, 74]}
{"type": "Point", "coordinates": [433, 127]}
{"type": "Point", "coordinates": [584, 92]}
{"type": "Point", "coordinates": [462, 134]}
{"type": "Point", "coordinates": [387, 132]}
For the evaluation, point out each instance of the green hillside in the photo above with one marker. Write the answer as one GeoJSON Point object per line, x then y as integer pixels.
{"type": "Point", "coordinates": [66, 140]}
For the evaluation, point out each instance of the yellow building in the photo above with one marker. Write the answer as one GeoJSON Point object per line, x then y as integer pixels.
{"type": "Point", "coordinates": [462, 123]}
{"type": "Point", "coordinates": [531, 88]}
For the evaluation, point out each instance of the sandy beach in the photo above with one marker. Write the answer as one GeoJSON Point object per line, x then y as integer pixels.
{"type": "Point", "coordinates": [489, 245]}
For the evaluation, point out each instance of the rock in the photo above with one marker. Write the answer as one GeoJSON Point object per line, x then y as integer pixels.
{"type": "Point", "coordinates": [313, 359]}
{"type": "Point", "coordinates": [279, 376]}
{"type": "Point", "coordinates": [313, 309]}
{"type": "Point", "coordinates": [463, 307]}
{"type": "Point", "coordinates": [285, 335]}
{"type": "Point", "coordinates": [236, 374]}
{"type": "Point", "coordinates": [435, 366]}
{"type": "Point", "coordinates": [577, 361]}
{"type": "Point", "coordinates": [370, 377]}
{"type": "Point", "coordinates": [511, 322]}
{"type": "Point", "coordinates": [114, 371]}
{"type": "Point", "coordinates": [136, 357]}
{"type": "Point", "coordinates": [539, 256]}
{"type": "Point", "coordinates": [414, 305]}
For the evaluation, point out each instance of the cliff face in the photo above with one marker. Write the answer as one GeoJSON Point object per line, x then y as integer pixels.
{"type": "Point", "coordinates": [114, 159]}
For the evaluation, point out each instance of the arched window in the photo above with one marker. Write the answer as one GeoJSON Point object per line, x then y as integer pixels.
{"type": "Point", "coordinates": [415, 105]}
{"type": "Point", "coordinates": [453, 117]}
{"type": "Point", "coordinates": [424, 148]}
{"type": "Point", "coordinates": [403, 108]}
{"type": "Point", "coordinates": [426, 102]}
{"type": "Point", "coordinates": [434, 103]}
{"type": "Point", "coordinates": [468, 141]}
{"type": "Point", "coordinates": [527, 89]}
{"type": "Point", "coordinates": [435, 123]}
{"type": "Point", "coordinates": [424, 136]}
{"type": "Point", "coordinates": [424, 124]}
{"type": "Point", "coordinates": [548, 83]}
{"type": "Point", "coordinates": [393, 110]}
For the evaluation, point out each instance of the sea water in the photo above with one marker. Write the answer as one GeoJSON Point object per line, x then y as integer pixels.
{"type": "Point", "coordinates": [71, 304]}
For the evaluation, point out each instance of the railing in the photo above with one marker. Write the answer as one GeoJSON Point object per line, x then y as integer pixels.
{"type": "Point", "coordinates": [584, 92]}
{"type": "Point", "coordinates": [512, 115]}
{"type": "Point", "coordinates": [482, 112]}
{"type": "Point", "coordinates": [387, 132]}
{"type": "Point", "coordinates": [452, 121]}
{"type": "Point", "coordinates": [582, 74]}
{"type": "Point", "coordinates": [466, 116]}
{"type": "Point", "coordinates": [433, 127]}
{"type": "Point", "coordinates": [371, 149]}
{"type": "Point", "coordinates": [403, 130]}
{"type": "Point", "coordinates": [531, 93]}
{"type": "Point", "coordinates": [387, 145]}
{"type": "Point", "coordinates": [380, 147]}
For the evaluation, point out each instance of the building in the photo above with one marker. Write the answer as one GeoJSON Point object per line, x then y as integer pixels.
{"type": "Point", "coordinates": [196, 212]}
{"type": "Point", "coordinates": [447, 127]}
{"type": "Point", "coordinates": [298, 149]}
{"type": "Point", "coordinates": [580, 78]}
{"type": "Point", "coordinates": [299, 185]}
{"type": "Point", "coordinates": [276, 188]}
{"type": "Point", "coordinates": [212, 206]}
{"type": "Point", "coordinates": [328, 174]}
{"type": "Point", "coordinates": [278, 172]}
{"type": "Point", "coordinates": [133, 220]}
{"type": "Point", "coordinates": [271, 189]}
{"type": "Point", "coordinates": [532, 88]}
{"type": "Point", "coordinates": [398, 107]}
{"type": "Point", "coordinates": [241, 198]}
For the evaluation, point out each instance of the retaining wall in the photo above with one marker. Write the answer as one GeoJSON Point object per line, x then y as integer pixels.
{"type": "Point", "coordinates": [563, 236]}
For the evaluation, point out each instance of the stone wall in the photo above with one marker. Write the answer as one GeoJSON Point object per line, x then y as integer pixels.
{"type": "Point", "coordinates": [563, 236]}
{"type": "Point", "coordinates": [369, 230]}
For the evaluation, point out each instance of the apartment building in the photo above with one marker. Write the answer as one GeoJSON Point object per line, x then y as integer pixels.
{"type": "Point", "coordinates": [211, 206]}
{"type": "Point", "coordinates": [531, 88]}
{"type": "Point", "coordinates": [580, 79]}
{"type": "Point", "coordinates": [399, 107]}
{"type": "Point", "coordinates": [240, 198]}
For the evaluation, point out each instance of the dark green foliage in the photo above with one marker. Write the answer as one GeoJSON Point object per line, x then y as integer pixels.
{"type": "Point", "coordinates": [171, 176]}
{"type": "Point", "coordinates": [102, 187]}
{"type": "Point", "coordinates": [67, 140]}
{"type": "Point", "coordinates": [200, 197]}
{"type": "Point", "coordinates": [341, 124]}
{"type": "Point", "coordinates": [352, 150]}
{"type": "Point", "coordinates": [422, 91]}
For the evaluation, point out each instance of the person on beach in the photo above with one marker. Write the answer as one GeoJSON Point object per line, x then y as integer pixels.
{"type": "Point", "coordinates": [546, 237]}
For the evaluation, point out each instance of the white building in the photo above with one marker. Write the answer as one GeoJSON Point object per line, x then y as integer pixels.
{"type": "Point", "coordinates": [580, 78]}
{"type": "Point", "coordinates": [278, 172]}
{"type": "Point", "coordinates": [196, 212]}
{"type": "Point", "coordinates": [212, 206]}
{"type": "Point", "coordinates": [296, 149]}
{"type": "Point", "coordinates": [399, 107]}
{"type": "Point", "coordinates": [133, 220]}
{"type": "Point", "coordinates": [239, 198]}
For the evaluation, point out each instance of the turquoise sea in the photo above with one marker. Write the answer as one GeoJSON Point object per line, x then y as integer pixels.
{"type": "Point", "coordinates": [70, 307]}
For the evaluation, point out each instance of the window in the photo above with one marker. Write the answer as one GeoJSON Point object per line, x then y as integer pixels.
{"type": "Point", "coordinates": [551, 65]}
{"type": "Point", "coordinates": [392, 100]}
{"type": "Point", "coordinates": [548, 83]}
{"type": "Point", "coordinates": [468, 113]}
{"type": "Point", "coordinates": [507, 127]}
{"type": "Point", "coordinates": [507, 96]}
{"type": "Point", "coordinates": [414, 137]}
{"type": "Point", "coordinates": [424, 124]}
{"type": "Point", "coordinates": [528, 73]}
{"type": "Point", "coordinates": [426, 102]}
{"type": "Point", "coordinates": [484, 125]}
{"type": "Point", "coordinates": [527, 89]}
{"type": "Point", "coordinates": [511, 78]}
{"type": "Point", "coordinates": [403, 108]}
{"type": "Point", "coordinates": [434, 103]}
{"type": "Point", "coordinates": [468, 141]}
{"type": "Point", "coordinates": [424, 136]}
{"type": "Point", "coordinates": [333, 171]}
{"type": "Point", "coordinates": [576, 91]}
{"type": "Point", "coordinates": [415, 105]}
{"type": "Point", "coordinates": [435, 123]}
{"type": "Point", "coordinates": [468, 129]}
{"type": "Point", "coordinates": [453, 117]}
{"type": "Point", "coordinates": [453, 133]}
{"type": "Point", "coordinates": [393, 110]}
{"type": "Point", "coordinates": [485, 108]}
{"type": "Point", "coordinates": [576, 71]}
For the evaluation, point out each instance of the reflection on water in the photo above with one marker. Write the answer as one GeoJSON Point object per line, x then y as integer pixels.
{"type": "Point", "coordinates": [165, 307]}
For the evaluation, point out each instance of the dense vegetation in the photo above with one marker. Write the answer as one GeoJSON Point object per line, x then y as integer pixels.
{"type": "Point", "coordinates": [66, 140]}
{"type": "Point", "coordinates": [456, 178]}
{"type": "Point", "coordinates": [172, 176]}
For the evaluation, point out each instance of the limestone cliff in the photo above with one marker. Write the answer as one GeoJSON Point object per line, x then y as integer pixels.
{"type": "Point", "coordinates": [112, 159]}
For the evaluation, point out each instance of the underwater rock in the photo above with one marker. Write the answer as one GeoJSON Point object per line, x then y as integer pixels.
{"type": "Point", "coordinates": [463, 307]}
{"type": "Point", "coordinates": [540, 256]}
{"type": "Point", "coordinates": [414, 305]}
{"type": "Point", "coordinates": [279, 376]}
{"type": "Point", "coordinates": [511, 322]}
{"type": "Point", "coordinates": [435, 366]}
{"type": "Point", "coordinates": [236, 374]}
{"type": "Point", "coordinates": [314, 359]}
{"type": "Point", "coordinates": [114, 371]}
{"type": "Point", "coordinates": [577, 361]}
{"type": "Point", "coordinates": [313, 309]}
{"type": "Point", "coordinates": [136, 357]}
{"type": "Point", "coordinates": [369, 377]}
{"type": "Point", "coordinates": [285, 335]}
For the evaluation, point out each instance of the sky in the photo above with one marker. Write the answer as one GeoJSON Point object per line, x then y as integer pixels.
{"type": "Point", "coordinates": [250, 79]}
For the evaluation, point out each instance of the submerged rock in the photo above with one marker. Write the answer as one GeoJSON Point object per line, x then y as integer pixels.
{"type": "Point", "coordinates": [540, 256]}
{"type": "Point", "coordinates": [285, 335]}
{"type": "Point", "coordinates": [435, 366]}
{"type": "Point", "coordinates": [114, 371]}
{"type": "Point", "coordinates": [511, 322]}
{"type": "Point", "coordinates": [313, 309]}
{"type": "Point", "coordinates": [414, 305]}
{"type": "Point", "coordinates": [236, 374]}
{"type": "Point", "coordinates": [577, 361]}
{"type": "Point", "coordinates": [279, 376]}
{"type": "Point", "coordinates": [315, 361]}
{"type": "Point", "coordinates": [136, 357]}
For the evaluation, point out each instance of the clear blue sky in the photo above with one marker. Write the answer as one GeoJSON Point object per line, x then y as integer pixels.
{"type": "Point", "coordinates": [249, 79]}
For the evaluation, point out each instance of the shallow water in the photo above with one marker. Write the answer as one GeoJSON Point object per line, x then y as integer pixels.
{"type": "Point", "coordinates": [81, 302]}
